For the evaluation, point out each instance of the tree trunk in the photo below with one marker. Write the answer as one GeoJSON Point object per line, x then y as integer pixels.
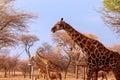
{"type": "Point", "coordinates": [96, 75]}
{"type": "Point", "coordinates": [24, 74]}
{"type": "Point", "coordinates": [48, 72]}
{"type": "Point", "coordinates": [84, 72]}
{"type": "Point", "coordinates": [5, 75]}
{"type": "Point", "coordinates": [76, 71]}
{"type": "Point", "coordinates": [9, 72]}
{"type": "Point", "coordinates": [14, 71]}
{"type": "Point", "coordinates": [30, 72]}
{"type": "Point", "coordinates": [67, 68]}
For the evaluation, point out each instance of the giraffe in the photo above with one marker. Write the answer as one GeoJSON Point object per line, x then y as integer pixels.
{"type": "Point", "coordinates": [98, 56]}
{"type": "Point", "coordinates": [101, 74]}
{"type": "Point", "coordinates": [41, 70]}
{"type": "Point", "coordinates": [52, 70]}
{"type": "Point", "coordinates": [46, 62]}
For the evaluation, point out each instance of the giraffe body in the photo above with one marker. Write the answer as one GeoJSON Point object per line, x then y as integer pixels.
{"type": "Point", "coordinates": [98, 56]}
{"type": "Point", "coordinates": [51, 71]}
{"type": "Point", "coordinates": [41, 70]}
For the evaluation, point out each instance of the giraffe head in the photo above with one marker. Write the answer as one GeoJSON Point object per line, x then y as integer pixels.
{"type": "Point", "coordinates": [58, 26]}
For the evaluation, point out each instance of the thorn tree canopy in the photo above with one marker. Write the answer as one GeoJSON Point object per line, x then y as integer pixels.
{"type": "Point", "coordinates": [113, 5]}
{"type": "Point", "coordinates": [12, 23]}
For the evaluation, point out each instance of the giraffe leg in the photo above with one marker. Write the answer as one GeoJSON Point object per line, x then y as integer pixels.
{"type": "Point", "coordinates": [96, 75]}
{"type": "Point", "coordinates": [105, 77]}
{"type": "Point", "coordinates": [48, 72]}
{"type": "Point", "coordinates": [116, 70]}
{"type": "Point", "coordinates": [117, 73]}
{"type": "Point", "coordinates": [89, 74]}
{"type": "Point", "coordinates": [102, 77]}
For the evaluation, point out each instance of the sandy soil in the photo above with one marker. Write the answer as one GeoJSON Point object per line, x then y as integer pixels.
{"type": "Point", "coordinates": [70, 76]}
{"type": "Point", "coordinates": [43, 79]}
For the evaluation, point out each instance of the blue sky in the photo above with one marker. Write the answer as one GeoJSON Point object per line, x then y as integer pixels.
{"type": "Point", "coordinates": [81, 14]}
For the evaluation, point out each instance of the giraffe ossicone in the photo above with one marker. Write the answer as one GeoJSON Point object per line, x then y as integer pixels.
{"type": "Point", "coordinates": [98, 56]}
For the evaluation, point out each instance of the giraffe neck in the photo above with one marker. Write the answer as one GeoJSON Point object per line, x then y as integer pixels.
{"type": "Point", "coordinates": [73, 33]}
{"type": "Point", "coordinates": [42, 58]}
{"type": "Point", "coordinates": [37, 64]}
{"type": "Point", "coordinates": [82, 41]}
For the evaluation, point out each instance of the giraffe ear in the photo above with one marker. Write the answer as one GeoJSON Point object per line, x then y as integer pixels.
{"type": "Point", "coordinates": [61, 19]}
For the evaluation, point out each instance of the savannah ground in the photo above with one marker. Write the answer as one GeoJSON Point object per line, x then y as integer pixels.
{"type": "Point", "coordinates": [70, 76]}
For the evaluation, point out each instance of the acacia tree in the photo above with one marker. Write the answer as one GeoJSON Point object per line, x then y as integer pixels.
{"type": "Point", "coordinates": [4, 60]}
{"type": "Point", "coordinates": [13, 64]}
{"type": "Point", "coordinates": [69, 47]}
{"type": "Point", "coordinates": [116, 47]}
{"type": "Point", "coordinates": [12, 23]}
{"type": "Point", "coordinates": [111, 14]}
{"type": "Point", "coordinates": [7, 62]}
{"type": "Point", "coordinates": [28, 41]}
{"type": "Point", "coordinates": [23, 67]}
{"type": "Point", "coordinates": [92, 36]}
{"type": "Point", "coordinates": [113, 5]}
{"type": "Point", "coordinates": [45, 50]}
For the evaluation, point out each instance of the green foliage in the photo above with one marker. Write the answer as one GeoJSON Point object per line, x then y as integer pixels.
{"type": "Point", "coordinates": [113, 5]}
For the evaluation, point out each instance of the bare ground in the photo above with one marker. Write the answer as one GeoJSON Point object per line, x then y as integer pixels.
{"type": "Point", "coordinates": [70, 76]}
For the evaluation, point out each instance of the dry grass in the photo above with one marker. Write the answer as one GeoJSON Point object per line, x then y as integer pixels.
{"type": "Point", "coordinates": [70, 76]}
